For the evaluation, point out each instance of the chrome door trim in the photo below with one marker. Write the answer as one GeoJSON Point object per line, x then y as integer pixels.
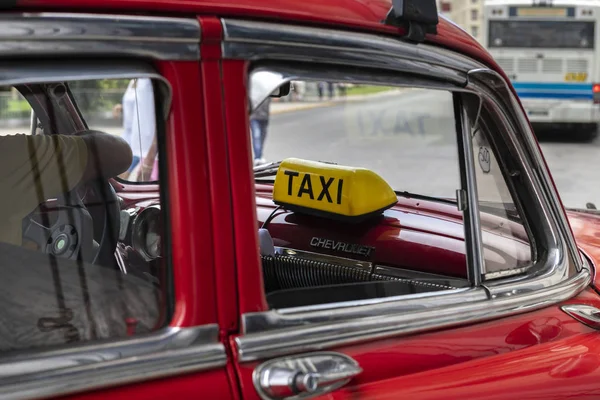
{"type": "Point", "coordinates": [255, 323]}
{"type": "Point", "coordinates": [61, 34]}
{"type": "Point", "coordinates": [471, 216]}
{"type": "Point", "coordinates": [563, 259]}
{"type": "Point", "coordinates": [319, 336]}
{"type": "Point", "coordinates": [536, 160]}
{"type": "Point", "coordinates": [252, 40]}
{"type": "Point", "coordinates": [304, 376]}
{"type": "Point", "coordinates": [587, 315]}
{"type": "Point", "coordinates": [71, 369]}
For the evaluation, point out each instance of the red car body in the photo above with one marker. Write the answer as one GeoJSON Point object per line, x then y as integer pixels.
{"type": "Point", "coordinates": [544, 353]}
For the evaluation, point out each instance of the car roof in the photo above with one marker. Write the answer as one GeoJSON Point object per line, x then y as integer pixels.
{"type": "Point", "coordinates": [357, 15]}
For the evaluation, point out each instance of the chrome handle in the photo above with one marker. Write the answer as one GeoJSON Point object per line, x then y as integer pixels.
{"type": "Point", "coordinates": [304, 376]}
{"type": "Point", "coordinates": [281, 383]}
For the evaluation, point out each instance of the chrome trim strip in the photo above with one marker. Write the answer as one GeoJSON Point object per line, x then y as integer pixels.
{"type": "Point", "coordinates": [273, 33]}
{"type": "Point", "coordinates": [261, 40]}
{"type": "Point", "coordinates": [54, 34]}
{"type": "Point", "coordinates": [308, 255]}
{"type": "Point", "coordinates": [472, 223]}
{"type": "Point", "coordinates": [555, 268]}
{"type": "Point", "coordinates": [254, 323]}
{"type": "Point", "coordinates": [325, 335]}
{"type": "Point", "coordinates": [96, 365]}
{"type": "Point", "coordinates": [287, 71]}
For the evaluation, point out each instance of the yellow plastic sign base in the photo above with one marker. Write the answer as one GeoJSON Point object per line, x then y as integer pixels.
{"type": "Point", "coordinates": [330, 190]}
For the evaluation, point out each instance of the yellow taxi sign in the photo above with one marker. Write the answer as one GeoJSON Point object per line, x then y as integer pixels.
{"type": "Point", "coordinates": [331, 190]}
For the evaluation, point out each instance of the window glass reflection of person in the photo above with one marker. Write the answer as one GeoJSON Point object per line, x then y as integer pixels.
{"type": "Point", "coordinates": [259, 123]}
{"type": "Point", "coordinates": [45, 299]}
{"type": "Point", "coordinates": [139, 120]}
{"type": "Point", "coordinates": [51, 165]}
{"type": "Point", "coordinates": [45, 302]}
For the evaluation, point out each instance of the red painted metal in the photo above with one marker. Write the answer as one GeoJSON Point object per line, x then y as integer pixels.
{"type": "Point", "coordinates": [415, 234]}
{"type": "Point", "coordinates": [390, 366]}
{"type": "Point", "coordinates": [241, 179]}
{"type": "Point", "coordinates": [218, 170]}
{"type": "Point", "coordinates": [189, 200]}
{"type": "Point", "coordinates": [212, 208]}
{"type": "Point", "coordinates": [556, 370]}
{"type": "Point", "coordinates": [586, 227]}
{"type": "Point", "coordinates": [365, 15]}
{"type": "Point", "coordinates": [204, 385]}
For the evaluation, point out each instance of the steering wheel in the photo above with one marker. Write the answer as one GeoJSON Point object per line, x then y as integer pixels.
{"type": "Point", "coordinates": [66, 228]}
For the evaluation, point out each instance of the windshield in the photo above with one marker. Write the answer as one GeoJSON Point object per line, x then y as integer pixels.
{"type": "Point", "coordinates": [541, 34]}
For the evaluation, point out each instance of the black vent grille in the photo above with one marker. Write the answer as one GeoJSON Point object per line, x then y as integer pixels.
{"type": "Point", "coordinates": [285, 272]}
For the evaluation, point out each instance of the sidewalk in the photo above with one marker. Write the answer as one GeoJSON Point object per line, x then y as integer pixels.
{"type": "Point", "coordinates": [280, 107]}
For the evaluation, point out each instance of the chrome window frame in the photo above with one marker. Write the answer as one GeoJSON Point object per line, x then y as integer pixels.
{"type": "Point", "coordinates": [61, 370]}
{"type": "Point", "coordinates": [284, 331]}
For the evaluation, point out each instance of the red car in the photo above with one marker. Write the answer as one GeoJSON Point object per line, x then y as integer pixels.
{"type": "Point", "coordinates": [404, 240]}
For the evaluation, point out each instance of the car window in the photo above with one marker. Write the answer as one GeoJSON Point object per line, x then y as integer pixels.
{"type": "Point", "coordinates": [405, 135]}
{"type": "Point", "coordinates": [313, 251]}
{"type": "Point", "coordinates": [124, 107]}
{"type": "Point", "coordinates": [505, 237]}
{"type": "Point", "coordinates": [15, 112]}
{"type": "Point", "coordinates": [80, 261]}
{"type": "Point", "coordinates": [390, 155]}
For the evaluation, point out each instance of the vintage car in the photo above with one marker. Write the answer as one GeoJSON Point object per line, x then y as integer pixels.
{"type": "Point", "coordinates": [404, 240]}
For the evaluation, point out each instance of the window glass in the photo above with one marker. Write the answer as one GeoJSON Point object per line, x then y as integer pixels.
{"type": "Point", "coordinates": [505, 238]}
{"type": "Point", "coordinates": [80, 262]}
{"type": "Point", "coordinates": [407, 137]}
{"type": "Point", "coordinates": [542, 34]}
{"type": "Point", "coordinates": [124, 107]}
{"type": "Point", "coordinates": [474, 15]}
{"type": "Point", "coordinates": [15, 112]}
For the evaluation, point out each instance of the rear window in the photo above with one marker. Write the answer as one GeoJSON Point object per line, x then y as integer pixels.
{"type": "Point", "coordinates": [542, 34]}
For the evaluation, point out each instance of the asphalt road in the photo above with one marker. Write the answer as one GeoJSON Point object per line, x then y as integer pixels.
{"type": "Point", "coordinates": [408, 139]}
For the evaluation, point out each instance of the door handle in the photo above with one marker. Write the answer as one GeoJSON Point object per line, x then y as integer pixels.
{"type": "Point", "coordinates": [304, 376]}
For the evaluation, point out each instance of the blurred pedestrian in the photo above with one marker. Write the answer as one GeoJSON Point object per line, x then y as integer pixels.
{"type": "Point", "coordinates": [320, 89]}
{"type": "Point", "coordinates": [139, 120]}
{"type": "Point", "coordinates": [331, 89]}
{"type": "Point", "coordinates": [259, 123]}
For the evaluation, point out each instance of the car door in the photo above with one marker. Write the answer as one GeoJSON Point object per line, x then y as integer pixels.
{"type": "Point", "coordinates": [109, 291]}
{"type": "Point", "coordinates": [439, 280]}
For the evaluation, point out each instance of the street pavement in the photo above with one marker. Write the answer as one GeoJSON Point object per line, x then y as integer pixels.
{"type": "Point", "coordinates": [408, 139]}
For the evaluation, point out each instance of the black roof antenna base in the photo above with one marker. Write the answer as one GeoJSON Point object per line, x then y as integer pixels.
{"type": "Point", "coordinates": [415, 31]}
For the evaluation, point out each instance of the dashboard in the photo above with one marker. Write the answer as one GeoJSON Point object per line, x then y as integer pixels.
{"type": "Point", "coordinates": [140, 238]}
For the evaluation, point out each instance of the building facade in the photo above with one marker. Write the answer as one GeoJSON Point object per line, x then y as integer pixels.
{"type": "Point", "coordinates": [466, 13]}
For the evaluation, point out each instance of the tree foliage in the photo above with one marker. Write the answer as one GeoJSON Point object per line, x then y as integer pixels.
{"type": "Point", "coordinates": [98, 95]}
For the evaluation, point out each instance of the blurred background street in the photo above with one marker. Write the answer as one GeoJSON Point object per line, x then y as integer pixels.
{"type": "Point", "coordinates": [315, 133]}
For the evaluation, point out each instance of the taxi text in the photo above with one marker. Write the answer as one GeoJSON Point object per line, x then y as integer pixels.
{"type": "Point", "coordinates": [328, 191]}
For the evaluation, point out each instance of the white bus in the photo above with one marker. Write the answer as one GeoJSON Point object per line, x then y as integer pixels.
{"type": "Point", "coordinates": [550, 53]}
